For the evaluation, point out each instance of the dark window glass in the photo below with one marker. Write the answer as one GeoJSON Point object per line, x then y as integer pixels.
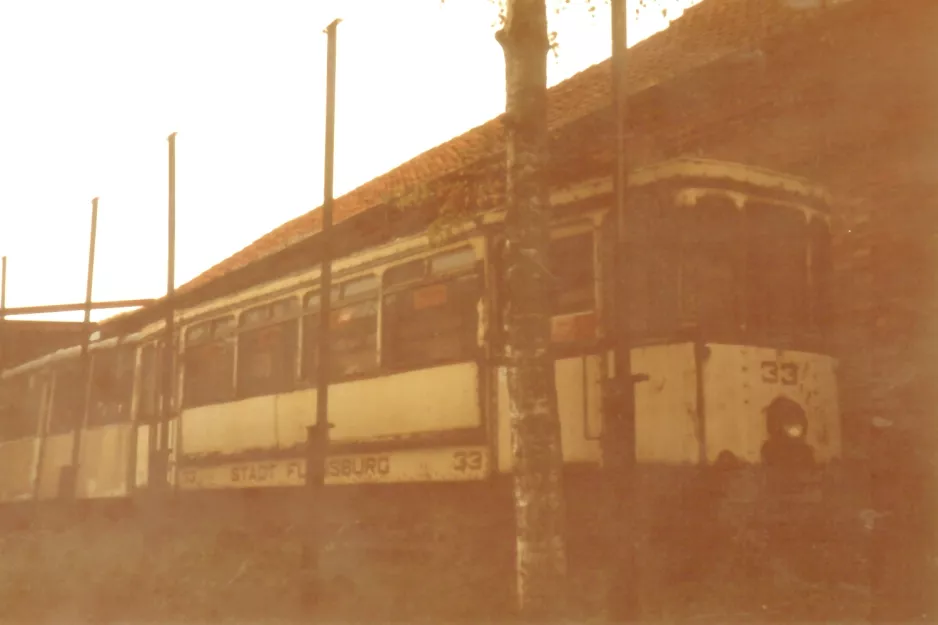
{"type": "Point", "coordinates": [461, 259]}
{"type": "Point", "coordinates": [209, 364]}
{"type": "Point", "coordinates": [267, 349]}
{"type": "Point", "coordinates": [312, 302]}
{"type": "Point", "coordinates": [637, 259]}
{"type": "Point", "coordinates": [432, 323]}
{"type": "Point", "coordinates": [310, 362]}
{"type": "Point", "coordinates": [360, 287]}
{"type": "Point", "coordinates": [148, 406]}
{"type": "Point", "coordinates": [267, 359]}
{"type": "Point", "coordinates": [255, 315]}
{"type": "Point", "coordinates": [657, 261]}
{"type": "Point", "coordinates": [572, 266]}
{"type": "Point", "coordinates": [711, 259]}
{"type": "Point", "coordinates": [112, 380]}
{"type": "Point", "coordinates": [353, 329]}
{"type": "Point", "coordinates": [408, 272]}
{"type": "Point", "coordinates": [20, 400]}
{"type": "Point", "coordinates": [68, 397]}
{"type": "Point", "coordinates": [354, 338]}
{"type": "Point", "coordinates": [777, 270]}
{"type": "Point", "coordinates": [201, 332]}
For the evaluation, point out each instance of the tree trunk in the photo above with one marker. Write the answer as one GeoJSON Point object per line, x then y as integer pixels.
{"type": "Point", "coordinates": [535, 424]}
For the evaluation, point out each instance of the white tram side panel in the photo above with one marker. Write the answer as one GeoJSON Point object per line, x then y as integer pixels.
{"type": "Point", "coordinates": [382, 405]}
{"type": "Point", "coordinates": [578, 382]}
{"type": "Point", "coordinates": [22, 397]}
{"type": "Point", "coordinates": [667, 426]}
{"type": "Point", "coordinates": [742, 381]}
{"type": "Point", "coordinates": [102, 469]}
{"type": "Point", "coordinates": [667, 420]}
{"type": "Point", "coordinates": [107, 436]}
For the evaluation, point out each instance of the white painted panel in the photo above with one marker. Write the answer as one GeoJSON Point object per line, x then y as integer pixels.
{"type": "Point", "coordinates": [666, 420]}
{"type": "Point", "coordinates": [230, 428]}
{"type": "Point", "coordinates": [741, 381]}
{"type": "Point", "coordinates": [17, 465]}
{"type": "Point", "coordinates": [579, 403]}
{"type": "Point", "coordinates": [56, 454]}
{"type": "Point", "coordinates": [103, 458]}
{"type": "Point", "coordinates": [412, 402]}
{"type": "Point", "coordinates": [452, 464]}
{"type": "Point", "coordinates": [428, 400]}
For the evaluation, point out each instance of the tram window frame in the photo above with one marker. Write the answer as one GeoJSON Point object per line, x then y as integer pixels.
{"type": "Point", "coordinates": [269, 332]}
{"type": "Point", "coordinates": [111, 392]}
{"type": "Point", "coordinates": [779, 314]}
{"type": "Point", "coordinates": [20, 403]}
{"type": "Point", "coordinates": [349, 297]}
{"type": "Point", "coordinates": [573, 318]}
{"type": "Point", "coordinates": [712, 283]}
{"type": "Point", "coordinates": [149, 394]}
{"type": "Point", "coordinates": [431, 318]}
{"type": "Point", "coordinates": [654, 258]}
{"type": "Point", "coordinates": [68, 376]}
{"type": "Point", "coordinates": [559, 270]}
{"type": "Point", "coordinates": [214, 341]}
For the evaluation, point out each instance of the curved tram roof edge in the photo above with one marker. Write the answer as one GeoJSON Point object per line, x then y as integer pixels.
{"type": "Point", "coordinates": [681, 167]}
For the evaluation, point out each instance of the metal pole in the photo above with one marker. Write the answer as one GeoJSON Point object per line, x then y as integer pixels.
{"type": "Point", "coordinates": [318, 435]}
{"type": "Point", "coordinates": [619, 427]}
{"type": "Point", "coordinates": [322, 378]}
{"type": "Point", "coordinates": [3, 309]}
{"type": "Point", "coordinates": [85, 358]}
{"type": "Point", "coordinates": [166, 405]}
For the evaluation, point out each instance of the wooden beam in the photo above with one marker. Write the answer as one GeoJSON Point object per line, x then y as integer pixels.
{"type": "Point", "coordinates": [57, 308]}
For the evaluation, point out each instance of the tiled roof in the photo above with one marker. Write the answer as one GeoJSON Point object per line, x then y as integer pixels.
{"type": "Point", "coordinates": [706, 32]}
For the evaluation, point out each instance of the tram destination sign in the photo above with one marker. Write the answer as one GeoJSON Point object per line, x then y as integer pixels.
{"type": "Point", "coordinates": [456, 464]}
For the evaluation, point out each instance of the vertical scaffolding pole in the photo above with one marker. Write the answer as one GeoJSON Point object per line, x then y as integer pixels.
{"type": "Point", "coordinates": [161, 466]}
{"type": "Point", "coordinates": [70, 473]}
{"type": "Point", "coordinates": [619, 428]}
{"type": "Point", "coordinates": [317, 436]}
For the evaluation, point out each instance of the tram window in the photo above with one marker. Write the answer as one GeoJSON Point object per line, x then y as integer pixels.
{"type": "Point", "coordinates": [435, 321]}
{"type": "Point", "coordinates": [354, 338]}
{"type": "Point", "coordinates": [821, 272]}
{"type": "Point", "coordinates": [112, 377]}
{"type": "Point", "coordinates": [572, 267]}
{"type": "Point", "coordinates": [19, 407]}
{"type": "Point", "coordinates": [408, 272]}
{"type": "Point", "coordinates": [653, 256]}
{"type": "Point", "coordinates": [267, 354]}
{"type": "Point", "coordinates": [636, 261]}
{"type": "Point", "coordinates": [457, 260]}
{"type": "Point", "coordinates": [209, 363]}
{"type": "Point", "coordinates": [148, 403]}
{"type": "Point", "coordinates": [363, 286]}
{"type": "Point", "coordinates": [310, 363]}
{"type": "Point", "coordinates": [353, 330]}
{"type": "Point", "coordinates": [777, 263]}
{"type": "Point", "coordinates": [710, 260]}
{"type": "Point", "coordinates": [68, 398]}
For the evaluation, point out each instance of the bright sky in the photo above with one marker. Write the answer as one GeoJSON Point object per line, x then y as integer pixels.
{"type": "Point", "coordinates": [92, 89]}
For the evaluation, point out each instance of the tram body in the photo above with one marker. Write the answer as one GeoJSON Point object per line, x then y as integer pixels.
{"type": "Point", "coordinates": [729, 277]}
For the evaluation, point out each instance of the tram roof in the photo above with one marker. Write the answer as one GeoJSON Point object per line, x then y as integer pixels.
{"type": "Point", "coordinates": [708, 169]}
{"type": "Point", "coordinates": [692, 169]}
{"type": "Point", "coordinates": [706, 33]}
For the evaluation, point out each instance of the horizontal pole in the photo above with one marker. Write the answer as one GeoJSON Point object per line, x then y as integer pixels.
{"type": "Point", "coordinates": [56, 308]}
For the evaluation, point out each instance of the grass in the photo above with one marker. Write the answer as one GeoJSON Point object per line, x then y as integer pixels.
{"type": "Point", "coordinates": [439, 565]}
